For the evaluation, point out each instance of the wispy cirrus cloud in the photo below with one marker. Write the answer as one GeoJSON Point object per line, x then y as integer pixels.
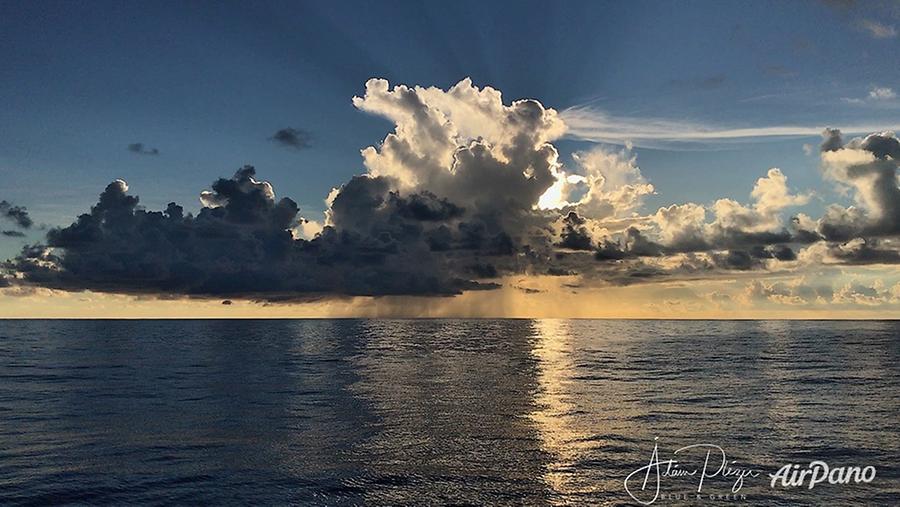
{"type": "Point", "coordinates": [863, 15]}
{"type": "Point", "coordinates": [878, 30]}
{"type": "Point", "coordinates": [592, 124]}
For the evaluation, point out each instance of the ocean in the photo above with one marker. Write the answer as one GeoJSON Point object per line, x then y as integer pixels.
{"type": "Point", "coordinates": [438, 412]}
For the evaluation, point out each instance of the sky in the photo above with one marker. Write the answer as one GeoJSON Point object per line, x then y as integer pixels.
{"type": "Point", "coordinates": [650, 104]}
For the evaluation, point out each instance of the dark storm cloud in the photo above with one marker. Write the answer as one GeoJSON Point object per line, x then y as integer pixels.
{"type": "Point", "coordinates": [736, 260]}
{"type": "Point", "coordinates": [241, 244]}
{"type": "Point", "coordinates": [866, 232]}
{"type": "Point", "coordinates": [632, 244]}
{"type": "Point", "coordinates": [779, 252]}
{"type": "Point", "coordinates": [426, 206]}
{"type": "Point", "coordinates": [13, 234]}
{"type": "Point", "coordinates": [296, 139]}
{"type": "Point", "coordinates": [831, 140]}
{"type": "Point", "coordinates": [454, 196]}
{"type": "Point", "coordinates": [742, 250]}
{"type": "Point", "coordinates": [881, 145]}
{"type": "Point", "coordinates": [875, 183]}
{"type": "Point", "coordinates": [861, 252]}
{"type": "Point", "coordinates": [379, 241]}
{"type": "Point", "coordinates": [737, 239]}
{"type": "Point", "coordinates": [484, 270]}
{"type": "Point", "coordinates": [16, 214]}
{"type": "Point", "coordinates": [609, 250]}
{"type": "Point", "coordinates": [575, 235]}
{"type": "Point", "coordinates": [140, 149]}
{"type": "Point", "coordinates": [366, 206]}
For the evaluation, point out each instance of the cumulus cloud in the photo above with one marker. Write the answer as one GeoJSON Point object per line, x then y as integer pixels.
{"type": "Point", "coordinates": [575, 235]}
{"type": "Point", "coordinates": [15, 214]}
{"type": "Point", "coordinates": [450, 196]}
{"type": "Point", "coordinates": [868, 166]}
{"type": "Point", "coordinates": [735, 222]}
{"type": "Point", "coordinates": [882, 93]}
{"type": "Point", "coordinates": [464, 144]}
{"type": "Point", "coordinates": [804, 291]}
{"type": "Point", "coordinates": [863, 294]}
{"type": "Point", "coordinates": [799, 291]}
{"type": "Point", "coordinates": [293, 138]}
{"type": "Point", "coordinates": [240, 243]}
{"type": "Point", "coordinates": [876, 95]}
{"type": "Point", "coordinates": [739, 236]}
{"type": "Point", "coordinates": [865, 233]}
{"type": "Point", "coordinates": [615, 185]}
{"type": "Point", "coordinates": [858, 251]}
{"type": "Point", "coordinates": [140, 149]}
{"type": "Point", "coordinates": [465, 190]}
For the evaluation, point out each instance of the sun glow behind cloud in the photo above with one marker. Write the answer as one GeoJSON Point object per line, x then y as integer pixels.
{"type": "Point", "coordinates": [467, 209]}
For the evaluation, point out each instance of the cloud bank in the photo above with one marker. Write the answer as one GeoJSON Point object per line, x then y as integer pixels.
{"type": "Point", "coordinates": [466, 191]}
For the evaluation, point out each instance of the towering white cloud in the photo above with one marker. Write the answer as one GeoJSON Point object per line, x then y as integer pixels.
{"type": "Point", "coordinates": [463, 143]}
{"type": "Point", "coordinates": [614, 184]}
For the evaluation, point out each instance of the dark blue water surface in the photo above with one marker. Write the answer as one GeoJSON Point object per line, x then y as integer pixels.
{"type": "Point", "coordinates": [494, 412]}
